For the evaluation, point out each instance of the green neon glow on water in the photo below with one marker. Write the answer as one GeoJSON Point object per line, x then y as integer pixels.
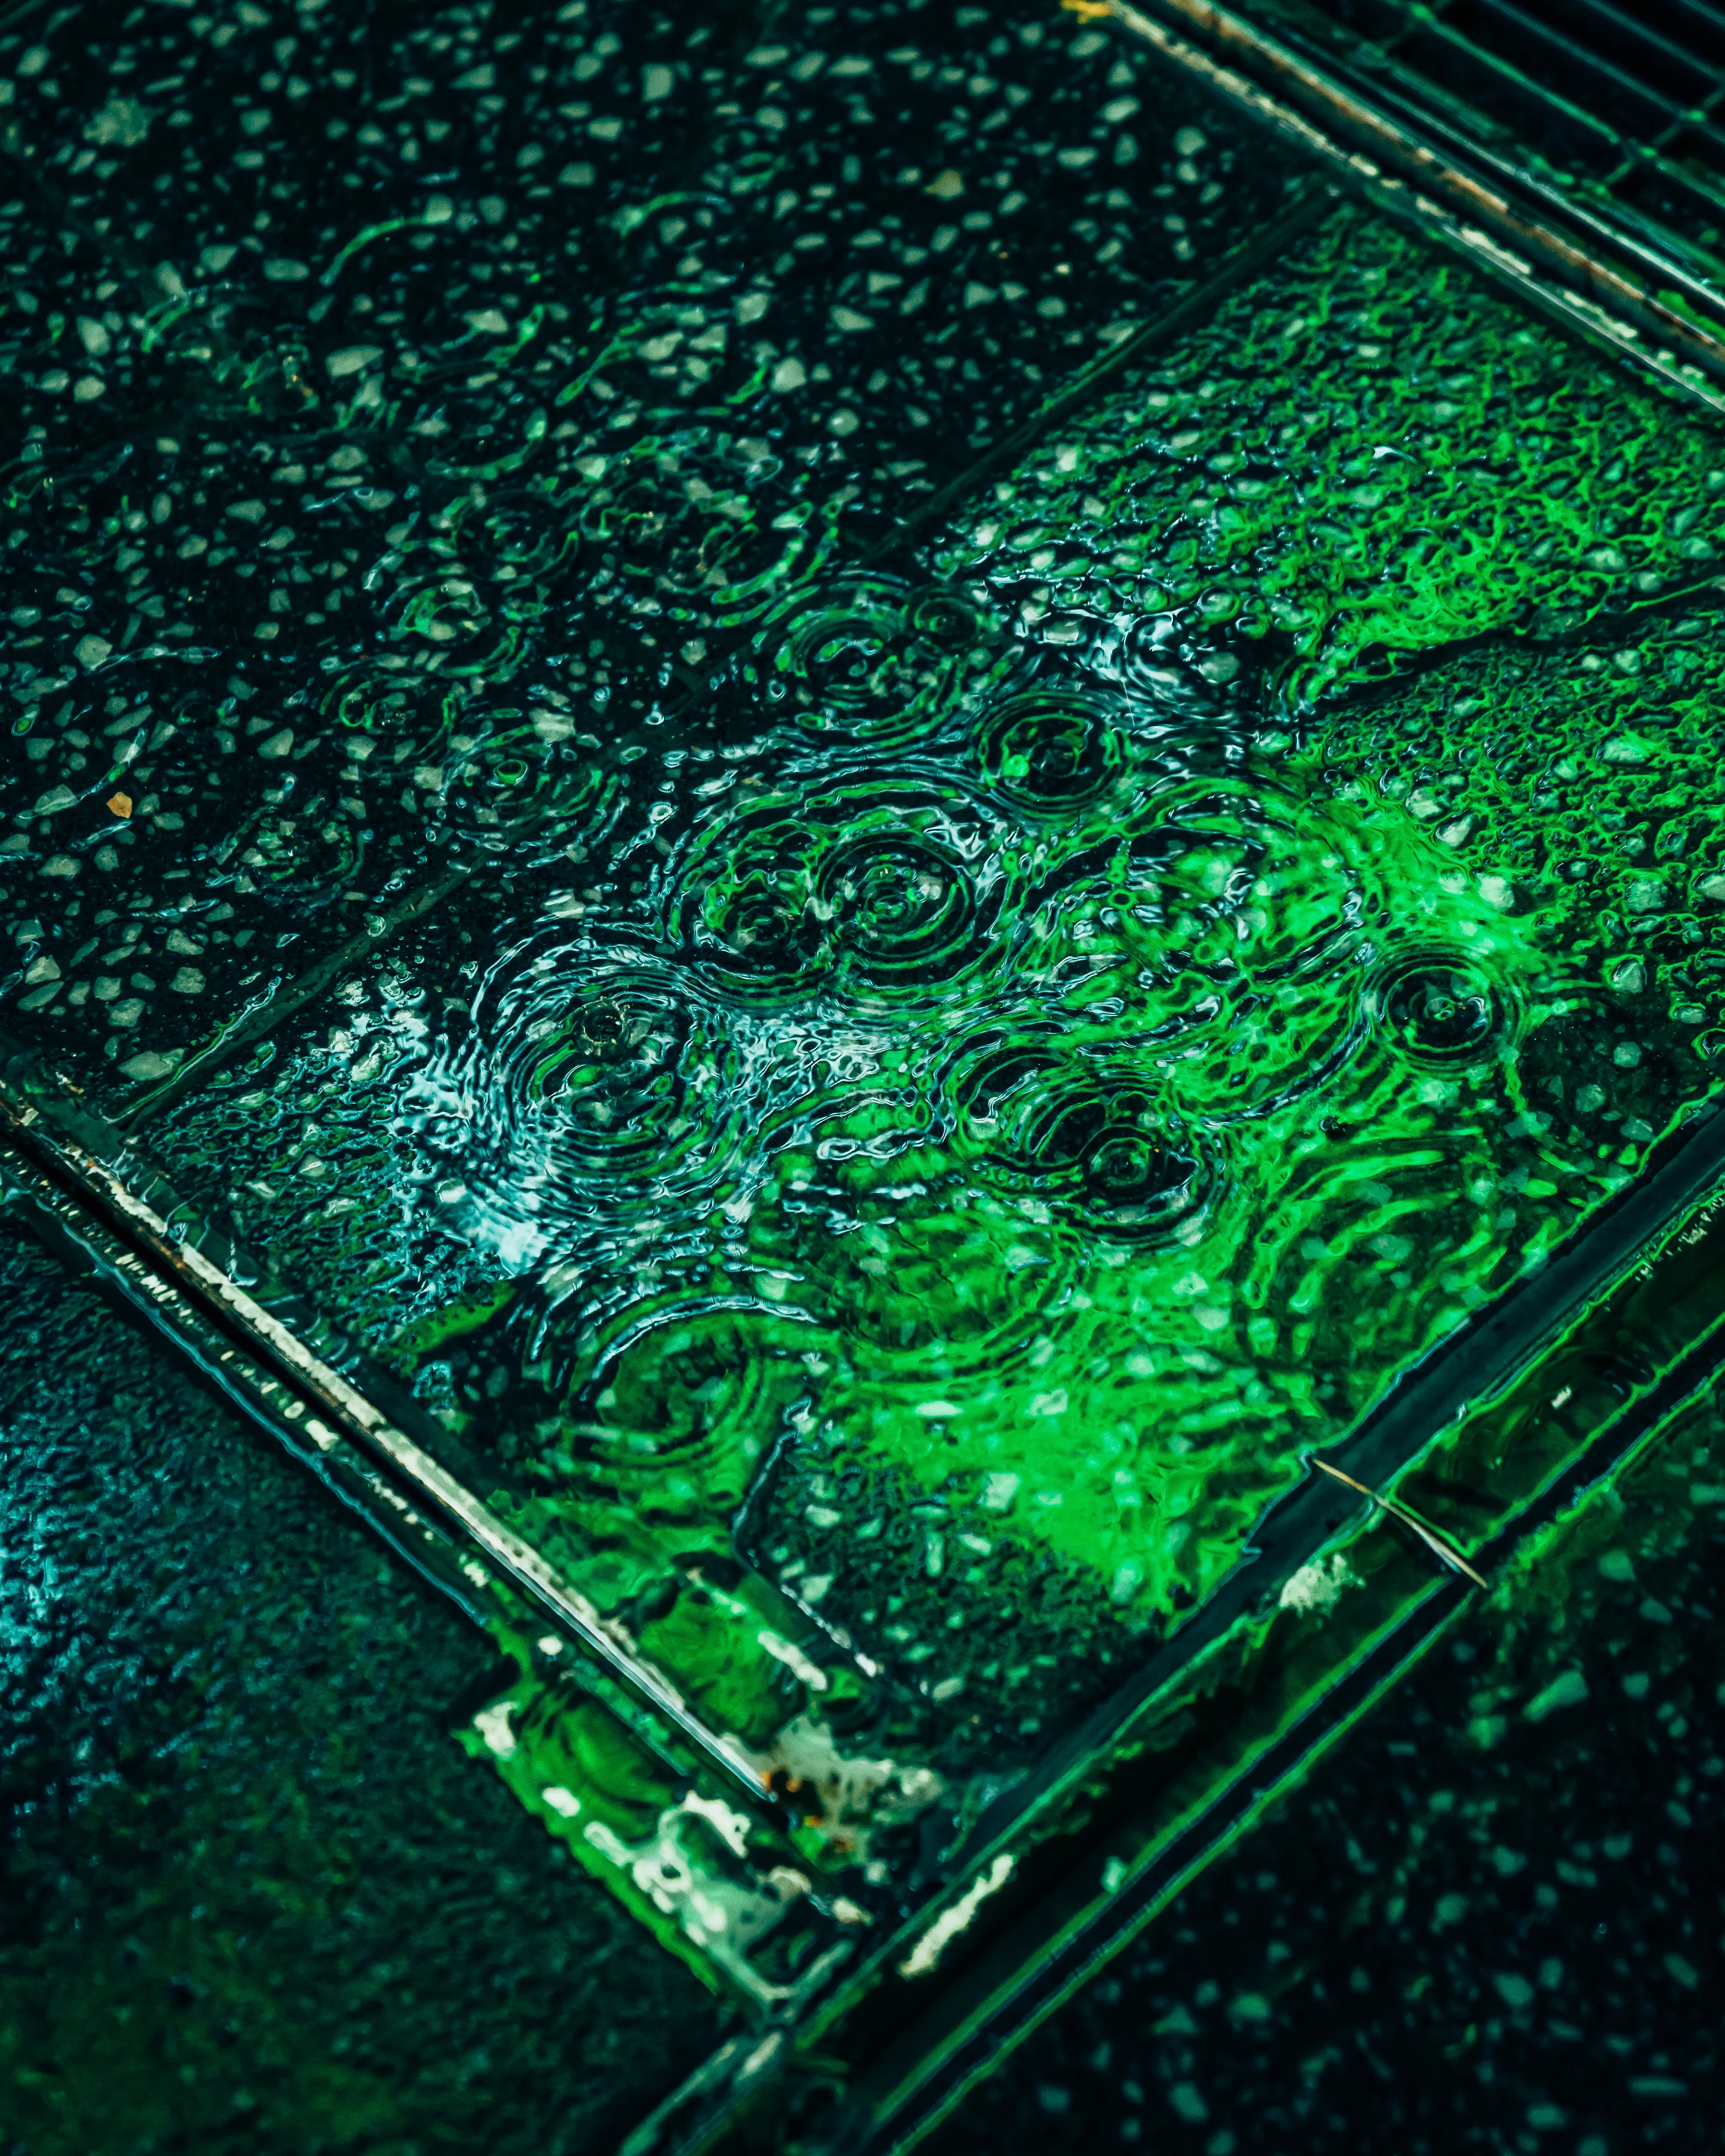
{"type": "Point", "coordinates": [1030, 1102]}
{"type": "Point", "coordinates": [1050, 1042]}
{"type": "Point", "coordinates": [1359, 459]}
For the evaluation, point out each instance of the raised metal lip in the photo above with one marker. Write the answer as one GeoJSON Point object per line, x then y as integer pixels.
{"type": "Point", "coordinates": [1418, 1408]}
{"type": "Point", "coordinates": [94, 1187]}
{"type": "Point", "coordinates": [953, 2037]}
{"type": "Point", "coordinates": [921, 2074]}
{"type": "Point", "coordinates": [909, 2109]}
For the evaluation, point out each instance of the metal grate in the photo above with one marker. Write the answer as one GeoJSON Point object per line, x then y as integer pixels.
{"type": "Point", "coordinates": [1565, 143]}
{"type": "Point", "coordinates": [1624, 107]}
